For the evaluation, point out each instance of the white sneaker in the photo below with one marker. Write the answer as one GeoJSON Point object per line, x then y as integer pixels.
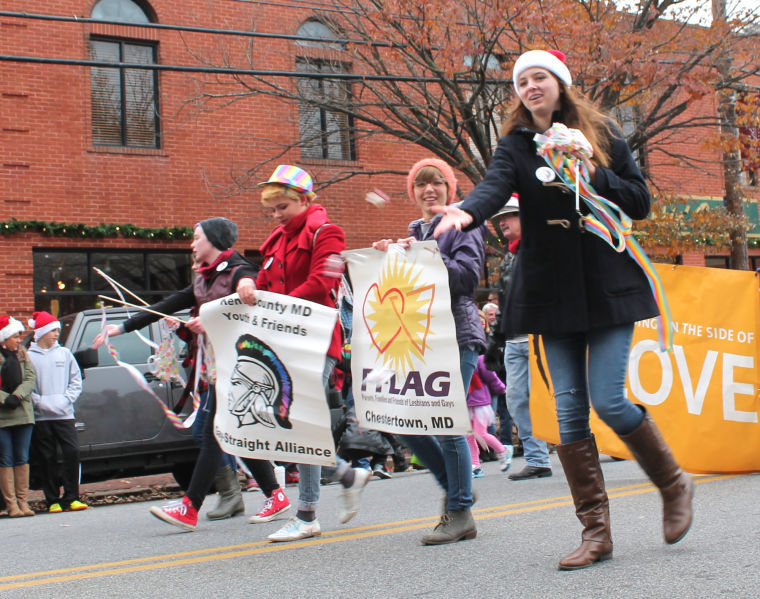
{"type": "Point", "coordinates": [295, 530]}
{"type": "Point", "coordinates": [505, 458]}
{"type": "Point", "coordinates": [353, 494]}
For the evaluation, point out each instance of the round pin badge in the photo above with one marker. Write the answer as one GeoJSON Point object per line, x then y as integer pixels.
{"type": "Point", "coordinates": [545, 174]}
{"type": "Point", "coordinates": [221, 266]}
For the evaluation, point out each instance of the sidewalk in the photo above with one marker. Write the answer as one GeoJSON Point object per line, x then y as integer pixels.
{"type": "Point", "coordinates": [119, 490]}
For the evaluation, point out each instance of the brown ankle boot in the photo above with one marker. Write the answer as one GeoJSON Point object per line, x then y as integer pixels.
{"type": "Point", "coordinates": [676, 487]}
{"type": "Point", "coordinates": [21, 481]}
{"type": "Point", "coordinates": [8, 489]}
{"type": "Point", "coordinates": [580, 461]}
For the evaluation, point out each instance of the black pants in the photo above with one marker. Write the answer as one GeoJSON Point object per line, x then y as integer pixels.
{"type": "Point", "coordinates": [208, 462]}
{"type": "Point", "coordinates": [48, 435]}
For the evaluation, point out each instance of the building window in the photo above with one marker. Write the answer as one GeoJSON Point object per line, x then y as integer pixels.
{"type": "Point", "coordinates": [124, 101]}
{"type": "Point", "coordinates": [725, 262]}
{"type": "Point", "coordinates": [628, 118]}
{"type": "Point", "coordinates": [122, 10]}
{"type": "Point", "coordinates": [488, 106]}
{"type": "Point", "coordinates": [64, 280]}
{"type": "Point", "coordinates": [326, 129]}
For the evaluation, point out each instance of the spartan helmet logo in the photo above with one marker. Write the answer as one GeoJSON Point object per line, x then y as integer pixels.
{"type": "Point", "coordinates": [260, 388]}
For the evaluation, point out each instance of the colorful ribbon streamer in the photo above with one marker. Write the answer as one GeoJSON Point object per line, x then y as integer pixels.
{"type": "Point", "coordinates": [164, 364]}
{"type": "Point", "coordinates": [564, 149]}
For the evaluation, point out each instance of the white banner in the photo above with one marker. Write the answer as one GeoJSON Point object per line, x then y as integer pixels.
{"type": "Point", "coordinates": [404, 351]}
{"type": "Point", "coordinates": [270, 402]}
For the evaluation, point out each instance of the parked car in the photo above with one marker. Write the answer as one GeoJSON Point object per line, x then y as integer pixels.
{"type": "Point", "coordinates": [122, 429]}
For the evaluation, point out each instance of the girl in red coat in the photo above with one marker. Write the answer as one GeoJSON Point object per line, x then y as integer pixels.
{"type": "Point", "coordinates": [301, 259]}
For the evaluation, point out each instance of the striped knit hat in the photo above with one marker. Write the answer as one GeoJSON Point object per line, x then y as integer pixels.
{"type": "Point", "coordinates": [293, 177]}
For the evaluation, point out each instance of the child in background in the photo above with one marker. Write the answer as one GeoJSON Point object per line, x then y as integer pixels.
{"type": "Point", "coordinates": [484, 383]}
{"type": "Point", "coordinates": [59, 383]}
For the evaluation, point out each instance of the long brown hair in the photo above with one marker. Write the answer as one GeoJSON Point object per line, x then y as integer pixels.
{"type": "Point", "coordinates": [578, 113]}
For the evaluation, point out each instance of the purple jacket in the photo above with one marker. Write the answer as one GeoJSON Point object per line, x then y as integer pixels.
{"type": "Point", "coordinates": [463, 254]}
{"type": "Point", "coordinates": [492, 384]}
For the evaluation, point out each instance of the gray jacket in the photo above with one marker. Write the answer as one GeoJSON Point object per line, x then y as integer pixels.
{"type": "Point", "coordinates": [59, 382]}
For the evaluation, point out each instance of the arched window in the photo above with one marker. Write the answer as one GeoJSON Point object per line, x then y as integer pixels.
{"type": "Point", "coordinates": [124, 101]}
{"type": "Point", "coordinates": [325, 123]}
{"type": "Point", "coordinates": [120, 10]}
{"type": "Point", "coordinates": [317, 29]}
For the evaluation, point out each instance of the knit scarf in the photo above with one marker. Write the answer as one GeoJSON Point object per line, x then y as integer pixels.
{"type": "Point", "coordinates": [207, 270]}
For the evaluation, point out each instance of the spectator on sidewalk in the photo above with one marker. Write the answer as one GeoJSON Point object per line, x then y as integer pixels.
{"type": "Point", "coordinates": [17, 378]}
{"type": "Point", "coordinates": [59, 383]}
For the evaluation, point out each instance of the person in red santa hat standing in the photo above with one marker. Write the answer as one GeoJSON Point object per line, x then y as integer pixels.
{"type": "Point", "coordinates": [59, 383]}
{"type": "Point", "coordinates": [16, 417]}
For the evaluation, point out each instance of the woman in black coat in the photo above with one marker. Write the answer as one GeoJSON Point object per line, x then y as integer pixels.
{"type": "Point", "coordinates": [576, 291]}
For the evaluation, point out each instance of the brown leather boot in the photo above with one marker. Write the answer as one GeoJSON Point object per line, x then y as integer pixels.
{"type": "Point", "coordinates": [580, 461]}
{"type": "Point", "coordinates": [676, 487]}
{"type": "Point", "coordinates": [21, 480]}
{"type": "Point", "coordinates": [8, 489]}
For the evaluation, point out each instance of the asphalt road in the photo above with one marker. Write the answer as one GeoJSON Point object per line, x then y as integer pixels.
{"type": "Point", "coordinates": [523, 528]}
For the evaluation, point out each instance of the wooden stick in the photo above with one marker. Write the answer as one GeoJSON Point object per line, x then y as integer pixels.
{"type": "Point", "coordinates": [113, 281]}
{"type": "Point", "coordinates": [143, 308]}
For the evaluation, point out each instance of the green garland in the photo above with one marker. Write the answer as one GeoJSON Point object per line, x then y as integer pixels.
{"type": "Point", "coordinates": [81, 231]}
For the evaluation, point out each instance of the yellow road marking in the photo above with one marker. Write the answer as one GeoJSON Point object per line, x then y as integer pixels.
{"type": "Point", "coordinates": [247, 549]}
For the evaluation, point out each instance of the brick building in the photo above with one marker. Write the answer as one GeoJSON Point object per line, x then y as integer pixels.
{"type": "Point", "coordinates": [79, 146]}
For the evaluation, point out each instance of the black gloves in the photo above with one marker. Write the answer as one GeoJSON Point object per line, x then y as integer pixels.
{"type": "Point", "coordinates": [11, 402]}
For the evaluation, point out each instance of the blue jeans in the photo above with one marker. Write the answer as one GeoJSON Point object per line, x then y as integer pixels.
{"type": "Point", "coordinates": [14, 445]}
{"type": "Point", "coordinates": [310, 474]}
{"type": "Point", "coordinates": [499, 405]}
{"type": "Point", "coordinates": [517, 362]}
{"type": "Point", "coordinates": [591, 365]}
{"type": "Point", "coordinates": [448, 456]}
{"type": "Point", "coordinates": [197, 430]}
{"type": "Point", "coordinates": [359, 462]}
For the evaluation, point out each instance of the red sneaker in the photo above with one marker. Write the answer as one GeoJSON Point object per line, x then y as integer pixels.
{"type": "Point", "coordinates": [292, 478]}
{"type": "Point", "coordinates": [179, 513]}
{"type": "Point", "coordinates": [273, 507]}
{"type": "Point", "coordinates": [252, 485]}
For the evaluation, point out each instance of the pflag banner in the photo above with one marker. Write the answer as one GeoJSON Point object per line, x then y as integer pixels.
{"type": "Point", "coordinates": [704, 394]}
{"type": "Point", "coordinates": [270, 401]}
{"type": "Point", "coordinates": [404, 350]}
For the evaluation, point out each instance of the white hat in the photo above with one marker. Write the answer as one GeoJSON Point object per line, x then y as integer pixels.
{"type": "Point", "coordinates": [551, 60]}
{"type": "Point", "coordinates": [511, 207]}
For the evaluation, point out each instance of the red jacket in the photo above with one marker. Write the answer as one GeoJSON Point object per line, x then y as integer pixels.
{"type": "Point", "coordinates": [294, 262]}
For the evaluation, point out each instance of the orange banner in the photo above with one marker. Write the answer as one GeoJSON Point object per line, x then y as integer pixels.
{"type": "Point", "coordinates": [704, 394]}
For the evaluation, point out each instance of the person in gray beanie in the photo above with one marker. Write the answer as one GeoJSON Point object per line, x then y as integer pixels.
{"type": "Point", "coordinates": [221, 270]}
{"type": "Point", "coordinates": [221, 232]}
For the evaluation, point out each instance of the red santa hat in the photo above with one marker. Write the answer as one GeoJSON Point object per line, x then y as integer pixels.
{"type": "Point", "coordinates": [42, 323]}
{"type": "Point", "coordinates": [551, 60]}
{"type": "Point", "coordinates": [9, 326]}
